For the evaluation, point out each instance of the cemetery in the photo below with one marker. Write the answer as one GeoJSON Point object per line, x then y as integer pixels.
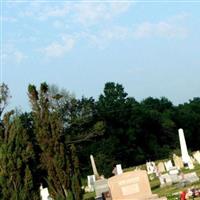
{"type": "Point", "coordinates": [99, 100]}
{"type": "Point", "coordinates": [178, 177]}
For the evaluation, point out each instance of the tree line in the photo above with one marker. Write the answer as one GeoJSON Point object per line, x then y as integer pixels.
{"type": "Point", "coordinates": [51, 144]}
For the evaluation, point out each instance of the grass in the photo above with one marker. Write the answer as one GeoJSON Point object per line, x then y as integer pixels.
{"type": "Point", "coordinates": [89, 196]}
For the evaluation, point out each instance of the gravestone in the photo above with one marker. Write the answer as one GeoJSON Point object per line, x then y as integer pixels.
{"type": "Point", "coordinates": [173, 170]}
{"type": "Point", "coordinates": [165, 180]}
{"type": "Point", "coordinates": [117, 170]}
{"type": "Point", "coordinates": [44, 193]}
{"type": "Point", "coordinates": [132, 185]}
{"type": "Point", "coordinates": [192, 160]}
{"type": "Point", "coordinates": [101, 186]}
{"type": "Point", "coordinates": [175, 178]}
{"type": "Point", "coordinates": [191, 177]}
{"type": "Point", "coordinates": [91, 180]}
{"type": "Point", "coordinates": [196, 156]}
{"type": "Point", "coordinates": [161, 167]}
{"type": "Point", "coordinates": [168, 165]}
{"type": "Point", "coordinates": [184, 152]}
{"type": "Point", "coordinates": [151, 167]}
{"type": "Point", "coordinates": [177, 161]}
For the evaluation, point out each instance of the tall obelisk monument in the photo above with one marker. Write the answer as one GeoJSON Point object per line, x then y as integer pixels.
{"type": "Point", "coordinates": [184, 152]}
{"type": "Point", "coordinates": [94, 169]}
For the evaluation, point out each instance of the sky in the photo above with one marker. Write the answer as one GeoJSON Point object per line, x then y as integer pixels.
{"type": "Point", "coordinates": [152, 48]}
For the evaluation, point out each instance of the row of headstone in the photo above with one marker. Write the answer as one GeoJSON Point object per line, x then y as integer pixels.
{"type": "Point", "coordinates": [101, 185]}
{"type": "Point", "coordinates": [178, 163]}
{"type": "Point", "coordinates": [185, 160]}
{"type": "Point", "coordinates": [160, 168]}
{"type": "Point", "coordinates": [169, 179]}
{"type": "Point", "coordinates": [173, 174]}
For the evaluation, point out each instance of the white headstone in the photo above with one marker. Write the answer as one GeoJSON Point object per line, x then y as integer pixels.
{"type": "Point", "coordinates": [151, 167]}
{"type": "Point", "coordinates": [184, 152]}
{"type": "Point", "coordinates": [44, 193]}
{"type": "Point", "coordinates": [168, 165]}
{"type": "Point", "coordinates": [173, 171]}
{"type": "Point", "coordinates": [119, 169]}
{"type": "Point", "coordinates": [91, 180]}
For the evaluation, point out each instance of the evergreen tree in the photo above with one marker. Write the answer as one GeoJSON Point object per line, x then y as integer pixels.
{"type": "Point", "coordinates": [76, 176]}
{"type": "Point", "coordinates": [49, 133]}
{"type": "Point", "coordinates": [4, 97]}
{"type": "Point", "coordinates": [17, 161]}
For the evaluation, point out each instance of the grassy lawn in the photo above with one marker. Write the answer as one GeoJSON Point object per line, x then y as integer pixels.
{"type": "Point", "coordinates": [89, 196]}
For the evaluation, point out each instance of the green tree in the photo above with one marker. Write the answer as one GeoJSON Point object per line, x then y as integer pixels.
{"type": "Point", "coordinates": [48, 129]}
{"type": "Point", "coordinates": [18, 168]}
{"type": "Point", "coordinates": [76, 176]}
{"type": "Point", "coordinates": [115, 108]}
{"type": "Point", "coordinates": [56, 131]}
{"type": "Point", "coordinates": [4, 97]}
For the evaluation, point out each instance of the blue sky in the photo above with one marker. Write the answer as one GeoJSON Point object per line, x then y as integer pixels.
{"type": "Point", "coordinates": [151, 48]}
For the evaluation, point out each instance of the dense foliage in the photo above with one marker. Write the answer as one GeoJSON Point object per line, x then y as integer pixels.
{"type": "Point", "coordinates": [51, 145]}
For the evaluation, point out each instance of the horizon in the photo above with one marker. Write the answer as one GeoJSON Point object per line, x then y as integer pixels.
{"type": "Point", "coordinates": [28, 106]}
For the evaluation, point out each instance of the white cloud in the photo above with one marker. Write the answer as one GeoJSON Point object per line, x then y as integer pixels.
{"type": "Point", "coordinates": [19, 56]}
{"type": "Point", "coordinates": [104, 37]}
{"type": "Point", "coordinates": [59, 49]}
{"type": "Point", "coordinates": [170, 28]}
{"type": "Point", "coordinates": [173, 27]}
{"type": "Point", "coordinates": [8, 19]}
{"type": "Point", "coordinates": [119, 7]}
{"type": "Point", "coordinates": [12, 54]}
{"type": "Point", "coordinates": [43, 12]}
{"type": "Point", "coordinates": [85, 13]}
{"type": "Point", "coordinates": [91, 13]}
{"type": "Point", "coordinates": [58, 24]}
{"type": "Point", "coordinates": [115, 33]}
{"type": "Point", "coordinates": [181, 17]}
{"type": "Point", "coordinates": [57, 11]}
